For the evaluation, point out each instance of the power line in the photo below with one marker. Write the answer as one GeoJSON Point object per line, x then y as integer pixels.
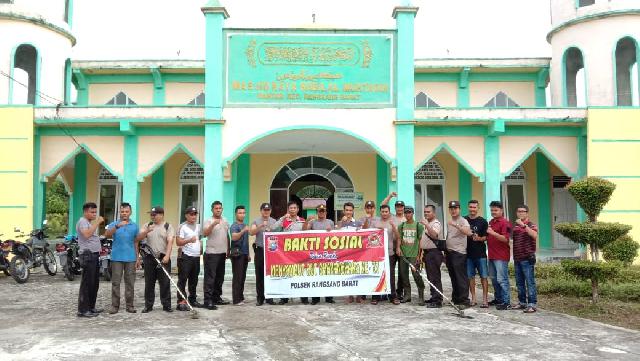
{"type": "Point", "coordinates": [47, 98]}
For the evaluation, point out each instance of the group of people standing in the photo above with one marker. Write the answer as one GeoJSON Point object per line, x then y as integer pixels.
{"type": "Point", "coordinates": [411, 242]}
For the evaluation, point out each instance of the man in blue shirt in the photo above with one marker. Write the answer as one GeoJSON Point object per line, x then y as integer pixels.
{"type": "Point", "coordinates": [239, 253]}
{"type": "Point", "coordinates": [124, 254]}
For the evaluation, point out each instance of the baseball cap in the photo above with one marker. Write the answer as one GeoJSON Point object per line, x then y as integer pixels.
{"type": "Point", "coordinates": [191, 210]}
{"type": "Point", "coordinates": [321, 207]}
{"type": "Point", "coordinates": [369, 204]}
{"type": "Point", "coordinates": [399, 203]}
{"type": "Point", "coordinates": [264, 206]}
{"type": "Point", "coordinates": [454, 204]}
{"type": "Point", "coordinates": [157, 209]}
{"type": "Point", "coordinates": [408, 209]}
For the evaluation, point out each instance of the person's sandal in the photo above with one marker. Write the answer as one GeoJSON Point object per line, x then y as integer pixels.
{"type": "Point", "coordinates": [484, 305]}
{"type": "Point", "coordinates": [529, 310]}
{"type": "Point", "coordinates": [395, 301]}
{"type": "Point", "coordinates": [518, 307]}
{"type": "Point", "coordinates": [374, 302]}
{"type": "Point", "coordinates": [473, 304]}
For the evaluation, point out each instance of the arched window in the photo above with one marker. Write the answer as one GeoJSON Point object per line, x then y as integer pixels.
{"type": "Point", "coordinates": [429, 183]}
{"type": "Point", "coordinates": [422, 100]}
{"type": "Point", "coordinates": [26, 59]}
{"type": "Point", "coordinates": [121, 99]}
{"type": "Point", "coordinates": [574, 78]}
{"type": "Point", "coordinates": [513, 192]}
{"type": "Point", "coordinates": [297, 178]}
{"type": "Point", "coordinates": [109, 196]}
{"type": "Point", "coordinates": [191, 188]}
{"type": "Point", "coordinates": [198, 100]}
{"type": "Point", "coordinates": [501, 100]}
{"type": "Point", "coordinates": [626, 64]}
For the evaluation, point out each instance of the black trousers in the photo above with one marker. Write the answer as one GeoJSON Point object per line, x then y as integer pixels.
{"type": "Point", "coordinates": [153, 273]}
{"type": "Point", "coordinates": [457, 267]}
{"type": "Point", "coordinates": [89, 283]}
{"type": "Point", "coordinates": [188, 271]}
{"type": "Point", "coordinates": [258, 259]}
{"type": "Point", "coordinates": [213, 276]}
{"type": "Point", "coordinates": [393, 260]}
{"type": "Point", "coordinates": [239, 270]}
{"type": "Point", "coordinates": [433, 260]}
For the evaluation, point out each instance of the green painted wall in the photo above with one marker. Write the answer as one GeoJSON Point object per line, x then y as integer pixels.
{"type": "Point", "coordinates": [242, 180]}
{"type": "Point", "coordinates": [157, 187]}
{"type": "Point", "coordinates": [382, 179]}
{"type": "Point", "coordinates": [543, 180]}
{"type": "Point", "coordinates": [464, 185]}
{"type": "Point", "coordinates": [492, 171]}
{"type": "Point", "coordinates": [130, 185]}
{"type": "Point", "coordinates": [79, 188]}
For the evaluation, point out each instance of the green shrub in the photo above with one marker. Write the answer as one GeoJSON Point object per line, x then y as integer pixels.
{"type": "Point", "coordinates": [623, 249]}
{"type": "Point", "coordinates": [629, 274]}
{"type": "Point", "coordinates": [592, 193]}
{"type": "Point", "coordinates": [593, 233]}
{"type": "Point", "coordinates": [595, 271]}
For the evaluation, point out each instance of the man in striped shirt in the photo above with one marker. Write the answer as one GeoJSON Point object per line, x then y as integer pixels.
{"type": "Point", "coordinates": [525, 235]}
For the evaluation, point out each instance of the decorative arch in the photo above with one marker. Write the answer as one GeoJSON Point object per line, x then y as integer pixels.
{"type": "Point", "coordinates": [192, 171]}
{"type": "Point", "coordinates": [241, 149]}
{"type": "Point", "coordinates": [541, 148]}
{"type": "Point", "coordinates": [454, 154]}
{"type": "Point", "coordinates": [572, 62]}
{"type": "Point", "coordinates": [626, 54]}
{"type": "Point", "coordinates": [82, 148]}
{"type": "Point", "coordinates": [430, 170]}
{"type": "Point", "coordinates": [33, 71]}
{"type": "Point", "coordinates": [178, 148]}
{"type": "Point", "coordinates": [306, 165]}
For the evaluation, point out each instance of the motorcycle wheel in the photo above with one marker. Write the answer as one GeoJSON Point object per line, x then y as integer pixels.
{"type": "Point", "coordinates": [19, 270]}
{"type": "Point", "coordinates": [107, 271]}
{"type": "Point", "coordinates": [50, 263]}
{"type": "Point", "coordinates": [68, 273]}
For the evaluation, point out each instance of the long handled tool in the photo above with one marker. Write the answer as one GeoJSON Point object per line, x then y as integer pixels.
{"type": "Point", "coordinates": [460, 313]}
{"type": "Point", "coordinates": [146, 249]}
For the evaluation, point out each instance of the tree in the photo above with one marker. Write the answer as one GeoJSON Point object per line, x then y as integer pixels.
{"type": "Point", "coordinates": [57, 209]}
{"type": "Point", "coordinates": [592, 194]}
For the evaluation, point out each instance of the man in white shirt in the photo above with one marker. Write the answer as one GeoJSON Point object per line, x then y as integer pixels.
{"type": "Point", "coordinates": [189, 258]}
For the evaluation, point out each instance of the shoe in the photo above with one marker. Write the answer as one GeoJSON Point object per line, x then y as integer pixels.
{"type": "Point", "coordinates": [182, 307]}
{"type": "Point", "coordinates": [259, 303]}
{"type": "Point", "coordinates": [395, 301]}
{"type": "Point", "coordinates": [221, 302]}
{"type": "Point", "coordinates": [241, 303]}
{"type": "Point", "coordinates": [434, 305]}
{"type": "Point", "coordinates": [331, 300]}
{"type": "Point", "coordinates": [494, 303]}
{"type": "Point", "coordinates": [282, 302]}
{"type": "Point", "coordinates": [87, 314]}
{"type": "Point", "coordinates": [113, 311]}
{"type": "Point", "coordinates": [518, 307]}
{"type": "Point", "coordinates": [315, 302]}
{"type": "Point", "coordinates": [132, 310]}
{"type": "Point", "coordinates": [374, 302]}
{"type": "Point", "coordinates": [147, 309]}
{"type": "Point", "coordinates": [97, 310]}
{"type": "Point", "coordinates": [304, 301]}
{"type": "Point", "coordinates": [167, 309]}
{"type": "Point", "coordinates": [196, 304]}
{"type": "Point", "coordinates": [269, 302]}
{"type": "Point", "coordinates": [210, 306]}
{"type": "Point", "coordinates": [504, 307]}
{"type": "Point", "coordinates": [405, 300]}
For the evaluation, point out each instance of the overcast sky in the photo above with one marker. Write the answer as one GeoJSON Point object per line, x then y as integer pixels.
{"type": "Point", "coordinates": [169, 29]}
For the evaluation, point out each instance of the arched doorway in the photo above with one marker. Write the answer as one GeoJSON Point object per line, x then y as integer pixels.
{"type": "Point", "coordinates": [308, 177]}
{"type": "Point", "coordinates": [191, 188]}
{"type": "Point", "coordinates": [429, 188]}
{"type": "Point", "coordinates": [109, 197]}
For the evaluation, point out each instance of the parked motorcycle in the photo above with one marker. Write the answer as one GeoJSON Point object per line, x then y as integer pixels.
{"type": "Point", "coordinates": [67, 252]}
{"type": "Point", "coordinates": [5, 249]}
{"type": "Point", "coordinates": [105, 258]}
{"type": "Point", "coordinates": [34, 253]}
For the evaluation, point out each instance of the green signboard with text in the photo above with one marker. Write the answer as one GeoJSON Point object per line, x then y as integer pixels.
{"type": "Point", "coordinates": [274, 69]}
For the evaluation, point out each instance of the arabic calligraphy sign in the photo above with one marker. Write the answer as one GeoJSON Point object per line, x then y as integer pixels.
{"type": "Point", "coordinates": [309, 69]}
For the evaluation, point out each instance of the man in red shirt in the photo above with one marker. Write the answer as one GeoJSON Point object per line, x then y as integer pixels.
{"type": "Point", "coordinates": [525, 235]}
{"type": "Point", "coordinates": [498, 236]}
